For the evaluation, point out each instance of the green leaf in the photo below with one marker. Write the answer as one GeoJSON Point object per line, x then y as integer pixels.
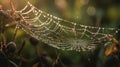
{"type": "Point", "coordinates": [13, 63]}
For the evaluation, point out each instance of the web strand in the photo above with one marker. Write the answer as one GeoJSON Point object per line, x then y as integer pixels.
{"type": "Point", "coordinates": [60, 33]}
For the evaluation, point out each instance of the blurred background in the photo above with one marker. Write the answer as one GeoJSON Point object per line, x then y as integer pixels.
{"type": "Point", "coordinates": [103, 13]}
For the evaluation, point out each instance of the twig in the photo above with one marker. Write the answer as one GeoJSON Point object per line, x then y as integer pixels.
{"type": "Point", "coordinates": [15, 32]}
{"type": "Point", "coordinates": [20, 50]}
{"type": "Point", "coordinates": [12, 5]}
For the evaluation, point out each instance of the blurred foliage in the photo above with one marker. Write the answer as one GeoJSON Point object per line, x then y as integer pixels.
{"type": "Point", "coordinates": [26, 51]}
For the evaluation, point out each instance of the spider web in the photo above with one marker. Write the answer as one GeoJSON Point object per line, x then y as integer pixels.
{"type": "Point", "coordinates": [60, 33]}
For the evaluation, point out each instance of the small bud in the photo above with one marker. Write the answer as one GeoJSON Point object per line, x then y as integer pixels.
{"type": "Point", "coordinates": [33, 41]}
{"type": "Point", "coordinates": [11, 47]}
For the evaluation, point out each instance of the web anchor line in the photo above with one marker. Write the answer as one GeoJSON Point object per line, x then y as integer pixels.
{"type": "Point", "coordinates": [60, 33]}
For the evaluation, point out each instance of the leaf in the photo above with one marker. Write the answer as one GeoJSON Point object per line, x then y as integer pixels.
{"type": "Point", "coordinates": [13, 63]}
{"type": "Point", "coordinates": [109, 49]}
